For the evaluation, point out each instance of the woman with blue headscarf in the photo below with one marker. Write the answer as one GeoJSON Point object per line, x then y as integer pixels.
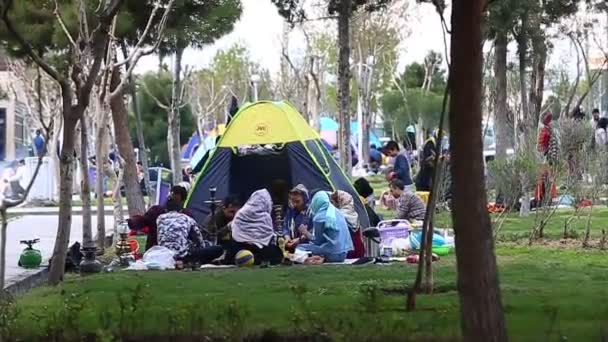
{"type": "Point", "coordinates": [297, 225]}
{"type": "Point", "coordinates": [331, 239]}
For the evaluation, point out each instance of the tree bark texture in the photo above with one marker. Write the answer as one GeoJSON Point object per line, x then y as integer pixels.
{"type": "Point", "coordinates": [3, 247]}
{"type": "Point", "coordinates": [522, 46]}
{"type": "Point", "coordinates": [141, 142]}
{"type": "Point", "coordinates": [101, 157]}
{"type": "Point", "coordinates": [537, 81]}
{"type": "Point", "coordinates": [85, 187]}
{"type": "Point", "coordinates": [500, 107]}
{"type": "Point", "coordinates": [344, 146]}
{"type": "Point", "coordinates": [66, 172]}
{"type": "Point", "coordinates": [120, 116]}
{"type": "Point", "coordinates": [480, 300]}
{"type": "Point", "coordinates": [174, 119]}
{"type": "Point", "coordinates": [143, 152]}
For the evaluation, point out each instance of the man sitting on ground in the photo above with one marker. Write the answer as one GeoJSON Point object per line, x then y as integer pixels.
{"type": "Point", "coordinates": [409, 206]}
{"type": "Point", "coordinates": [147, 222]}
{"type": "Point", "coordinates": [179, 233]}
{"type": "Point", "coordinates": [217, 224]}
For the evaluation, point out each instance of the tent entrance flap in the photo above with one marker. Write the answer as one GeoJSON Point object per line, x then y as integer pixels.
{"type": "Point", "coordinates": [249, 173]}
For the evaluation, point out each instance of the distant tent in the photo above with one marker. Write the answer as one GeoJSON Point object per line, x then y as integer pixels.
{"type": "Point", "coordinates": [329, 132]}
{"type": "Point", "coordinates": [281, 146]}
{"type": "Point", "coordinates": [190, 148]}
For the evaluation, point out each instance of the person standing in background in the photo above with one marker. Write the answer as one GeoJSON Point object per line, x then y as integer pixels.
{"type": "Point", "coordinates": [595, 117]}
{"type": "Point", "coordinates": [410, 139]}
{"type": "Point", "coordinates": [401, 168]}
{"type": "Point", "coordinates": [424, 178]}
{"type": "Point", "coordinates": [39, 143]}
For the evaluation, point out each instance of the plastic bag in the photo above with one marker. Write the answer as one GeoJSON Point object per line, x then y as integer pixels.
{"type": "Point", "coordinates": [415, 237]}
{"type": "Point", "coordinates": [137, 266]}
{"type": "Point", "coordinates": [159, 258]}
{"type": "Point", "coordinates": [299, 256]}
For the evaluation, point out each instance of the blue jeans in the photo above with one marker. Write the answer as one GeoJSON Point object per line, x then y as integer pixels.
{"type": "Point", "coordinates": [316, 250]}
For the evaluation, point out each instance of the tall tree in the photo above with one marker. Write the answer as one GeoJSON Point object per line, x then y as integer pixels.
{"type": "Point", "coordinates": [376, 38]}
{"type": "Point", "coordinates": [342, 10]}
{"type": "Point", "coordinates": [414, 98]}
{"type": "Point", "coordinates": [228, 75]}
{"type": "Point", "coordinates": [192, 24]}
{"type": "Point", "coordinates": [76, 73]}
{"type": "Point", "coordinates": [72, 49]}
{"type": "Point", "coordinates": [154, 96]}
{"type": "Point", "coordinates": [480, 300]}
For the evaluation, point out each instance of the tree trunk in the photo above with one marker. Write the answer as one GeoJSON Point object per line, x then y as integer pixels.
{"type": "Point", "coordinates": [365, 128]}
{"type": "Point", "coordinates": [3, 247]}
{"type": "Point", "coordinates": [522, 42]}
{"type": "Point", "coordinates": [500, 107]}
{"type": "Point", "coordinates": [174, 119]}
{"type": "Point", "coordinates": [65, 197]}
{"type": "Point", "coordinates": [85, 191]}
{"type": "Point", "coordinates": [52, 152]}
{"type": "Point", "coordinates": [141, 142]}
{"type": "Point", "coordinates": [344, 146]}
{"type": "Point", "coordinates": [143, 152]}
{"type": "Point", "coordinates": [537, 81]}
{"type": "Point", "coordinates": [101, 157]}
{"type": "Point", "coordinates": [120, 117]}
{"type": "Point", "coordinates": [480, 300]}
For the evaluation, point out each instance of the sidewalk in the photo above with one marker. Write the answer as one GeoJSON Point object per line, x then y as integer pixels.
{"type": "Point", "coordinates": [42, 227]}
{"type": "Point", "coordinates": [46, 211]}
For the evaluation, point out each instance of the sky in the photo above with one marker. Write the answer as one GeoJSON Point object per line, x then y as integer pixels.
{"type": "Point", "coordinates": [260, 29]}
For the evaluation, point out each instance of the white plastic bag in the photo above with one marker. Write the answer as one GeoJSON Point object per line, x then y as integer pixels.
{"type": "Point", "coordinates": [137, 266]}
{"type": "Point", "coordinates": [159, 258]}
{"type": "Point", "coordinates": [299, 256]}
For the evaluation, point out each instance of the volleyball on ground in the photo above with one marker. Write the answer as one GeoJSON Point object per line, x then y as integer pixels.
{"type": "Point", "coordinates": [244, 258]}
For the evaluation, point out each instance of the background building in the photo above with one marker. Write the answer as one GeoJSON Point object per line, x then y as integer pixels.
{"type": "Point", "coordinates": [15, 135]}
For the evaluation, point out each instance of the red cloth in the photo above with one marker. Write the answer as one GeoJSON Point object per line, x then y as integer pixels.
{"type": "Point", "coordinates": [359, 247]}
{"type": "Point", "coordinates": [544, 137]}
{"type": "Point", "coordinates": [540, 187]}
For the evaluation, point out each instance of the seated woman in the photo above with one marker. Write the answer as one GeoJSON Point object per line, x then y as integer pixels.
{"type": "Point", "coordinates": [297, 225]}
{"type": "Point", "coordinates": [179, 233]}
{"type": "Point", "coordinates": [365, 190]}
{"type": "Point", "coordinates": [346, 204]}
{"type": "Point", "coordinates": [252, 230]}
{"type": "Point", "coordinates": [366, 193]}
{"type": "Point", "coordinates": [332, 239]}
{"type": "Point", "coordinates": [146, 223]}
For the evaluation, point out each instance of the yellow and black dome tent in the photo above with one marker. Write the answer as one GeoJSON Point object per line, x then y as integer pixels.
{"type": "Point", "coordinates": [297, 156]}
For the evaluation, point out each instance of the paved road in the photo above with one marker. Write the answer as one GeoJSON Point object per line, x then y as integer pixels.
{"type": "Point", "coordinates": [44, 228]}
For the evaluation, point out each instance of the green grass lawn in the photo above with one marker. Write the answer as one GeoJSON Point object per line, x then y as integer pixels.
{"type": "Point", "coordinates": [547, 293]}
{"type": "Point", "coordinates": [552, 291]}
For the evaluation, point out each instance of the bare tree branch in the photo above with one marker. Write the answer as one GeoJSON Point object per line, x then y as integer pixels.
{"type": "Point", "coordinates": [156, 99]}
{"type": "Point", "coordinates": [138, 52]}
{"type": "Point", "coordinates": [63, 27]}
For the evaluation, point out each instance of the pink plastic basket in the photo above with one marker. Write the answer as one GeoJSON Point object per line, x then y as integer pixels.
{"type": "Point", "coordinates": [393, 229]}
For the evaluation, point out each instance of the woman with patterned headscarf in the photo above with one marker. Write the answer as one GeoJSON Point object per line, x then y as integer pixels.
{"type": "Point", "coordinates": [346, 204]}
{"type": "Point", "coordinates": [252, 229]}
{"type": "Point", "coordinates": [331, 241]}
{"type": "Point", "coordinates": [297, 226]}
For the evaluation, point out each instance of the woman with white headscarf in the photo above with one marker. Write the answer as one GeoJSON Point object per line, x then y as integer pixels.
{"type": "Point", "coordinates": [252, 229]}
